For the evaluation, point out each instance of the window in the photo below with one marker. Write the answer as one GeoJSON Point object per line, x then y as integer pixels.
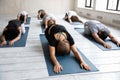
{"type": "Point", "coordinates": [100, 5]}
{"type": "Point", "coordinates": [113, 5]}
{"type": "Point", "coordinates": [119, 6]}
{"type": "Point", "coordinates": [85, 3]}
{"type": "Point", "coordinates": [88, 3]}
{"type": "Point", "coordinates": [81, 3]}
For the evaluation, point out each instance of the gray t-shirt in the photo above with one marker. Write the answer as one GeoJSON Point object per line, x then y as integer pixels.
{"type": "Point", "coordinates": [93, 26]}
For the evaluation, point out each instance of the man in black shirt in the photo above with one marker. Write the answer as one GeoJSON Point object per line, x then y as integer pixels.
{"type": "Point", "coordinates": [56, 34]}
{"type": "Point", "coordinates": [11, 32]}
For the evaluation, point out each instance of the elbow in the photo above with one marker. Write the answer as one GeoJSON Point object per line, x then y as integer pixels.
{"type": "Point", "coordinates": [19, 37]}
{"type": "Point", "coordinates": [112, 37]}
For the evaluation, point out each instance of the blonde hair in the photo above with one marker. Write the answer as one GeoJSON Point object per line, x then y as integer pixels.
{"type": "Point", "coordinates": [63, 47]}
{"type": "Point", "coordinates": [51, 22]}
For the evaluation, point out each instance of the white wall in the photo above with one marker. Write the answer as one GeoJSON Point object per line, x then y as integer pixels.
{"type": "Point", "coordinates": [57, 7]}
{"type": "Point", "coordinates": [112, 19]}
{"type": "Point", "coordinates": [32, 6]}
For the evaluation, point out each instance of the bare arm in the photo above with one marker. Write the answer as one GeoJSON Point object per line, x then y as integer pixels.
{"type": "Point", "coordinates": [79, 57]}
{"type": "Point", "coordinates": [114, 39]}
{"type": "Point", "coordinates": [46, 23]}
{"type": "Point", "coordinates": [69, 20]}
{"type": "Point", "coordinates": [25, 18]}
{"type": "Point", "coordinates": [38, 16]}
{"type": "Point", "coordinates": [3, 41]}
{"type": "Point", "coordinates": [3, 38]}
{"type": "Point", "coordinates": [18, 17]}
{"type": "Point", "coordinates": [57, 67]}
{"type": "Point", "coordinates": [66, 16]}
{"type": "Point", "coordinates": [99, 40]}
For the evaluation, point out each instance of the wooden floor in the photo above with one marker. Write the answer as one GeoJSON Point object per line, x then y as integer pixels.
{"type": "Point", "coordinates": [28, 63]}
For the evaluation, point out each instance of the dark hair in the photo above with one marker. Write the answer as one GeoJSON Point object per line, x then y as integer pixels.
{"type": "Point", "coordinates": [66, 17]}
{"type": "Point", "coordinates": [75, 19]}
{"type": "Point", "coordinates": [103, 35]}
{"type": "Point", "coordinates": [63, 47]}
{"type": "Point", "coordinates": [43, 13]}
{"type": "Point", "coordinates": [22, 17]}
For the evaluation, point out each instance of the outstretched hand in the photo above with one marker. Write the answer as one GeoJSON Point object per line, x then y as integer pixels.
{"type": "Point", "coordinates": [3, 43]}
{"type": "Point", "coordinates": [118, 44]}
{"type": "Point", "coordinates": [85, 66]}
{"type": "Point", "coordinates": [58, 68]}
{"type": "Point", "coordinates": [11, 43]}
{"type": "Point", "coordinates": [107, 46]}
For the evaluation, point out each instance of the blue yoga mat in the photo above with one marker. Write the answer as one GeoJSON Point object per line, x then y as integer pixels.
{"type": "Point", "coordinates": [21, 42]}
{"type": "Point", "coordinates": [114, 46]}
{"type": "Point", "coordinates": [42, 26]}
{"type": "Point", "coordinates": [28, 20]}
{"type": "Point", "coordinates": [76, 23]}
{"type": "Point", "coordinates": [69, 63]}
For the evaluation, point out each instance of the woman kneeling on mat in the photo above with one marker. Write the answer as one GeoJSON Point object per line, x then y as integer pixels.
{"type": "Point", "coordinates": [46, 17]}
{"type": "Point", "coordinates": [41, 14]}
{"type": "Point", "coordinates": [12, 32]}
{"type": "Point", "coordinates": [72, 16]}
{"type": "Point", "coordinates": [22, 16]}
{"type": "Point", "coordinates": [99, 32]}
{"type": "Point", "coordinates": [60, 43]}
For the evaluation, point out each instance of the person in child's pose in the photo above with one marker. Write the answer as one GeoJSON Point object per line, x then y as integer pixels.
{"type": "Point", "coordinates": [11, 32]}
{"type": "Point", "coordinates": [99, 32]}
{"type": "Point", "coordinates": [72, 16]}
{"type": "Point", "coordinates": [60, 43]}
{"type": "Point", "coordinates": [46, 17]}
{"type": "Point", "coordinates": [41, 13]}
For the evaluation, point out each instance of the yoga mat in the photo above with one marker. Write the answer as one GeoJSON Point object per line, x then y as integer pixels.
{"type": "Point", "coordinates": [114, 46]}
{"type": "Point", "coordinates": [42, 26]}
{"type": "Point", "coordinates": [28, 20]}
{"type": "Point", "coordinates": [69, 63]}
{"type": "Point", "coordinates": [76, 23]}
{"type": "Point", "coordinates": [21, 42]}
